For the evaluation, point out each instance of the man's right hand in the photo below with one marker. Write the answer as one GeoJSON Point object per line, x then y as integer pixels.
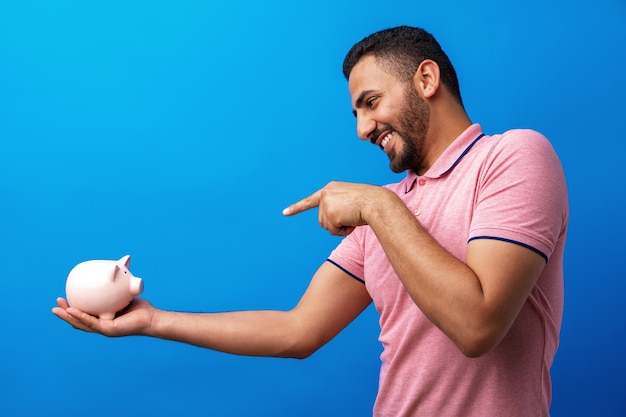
{"type": "Point", "coordinates": [133, 320]}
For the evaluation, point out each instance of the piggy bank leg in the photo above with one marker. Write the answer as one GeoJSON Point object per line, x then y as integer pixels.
{"type": "Point", "coordinates": [107, 316]}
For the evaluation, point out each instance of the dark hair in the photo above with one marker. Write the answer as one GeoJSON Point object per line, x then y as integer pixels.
{"type": "Point", "coordinates": [401, 50]}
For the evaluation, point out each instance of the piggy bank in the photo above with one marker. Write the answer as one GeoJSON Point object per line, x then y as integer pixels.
{"type": "Point", "coordinates": [102, 288]}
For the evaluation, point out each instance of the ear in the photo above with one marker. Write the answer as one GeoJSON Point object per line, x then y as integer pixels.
{"type": "Point", "coordinates": [125, 260]}
{"type": "Point", "coordinates": [427, 77]}
{"type": "Point", "coordinates": [113, 273]}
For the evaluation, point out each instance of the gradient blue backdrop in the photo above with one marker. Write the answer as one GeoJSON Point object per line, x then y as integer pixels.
{"type": "Point", "coordinates": [177, 131]}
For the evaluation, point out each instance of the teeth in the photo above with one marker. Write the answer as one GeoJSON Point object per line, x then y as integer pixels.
{"type": "Point", "coordinates": [386, 140]}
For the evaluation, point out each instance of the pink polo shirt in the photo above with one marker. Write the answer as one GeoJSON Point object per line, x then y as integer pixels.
{"type": "Point", "coordinates": [509, 187]}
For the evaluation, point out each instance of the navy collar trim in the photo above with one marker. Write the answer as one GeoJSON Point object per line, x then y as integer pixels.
{"type": "Point", "coordinates": [462, 155]}
{"type": "Point", "coordinates": [409, 185]}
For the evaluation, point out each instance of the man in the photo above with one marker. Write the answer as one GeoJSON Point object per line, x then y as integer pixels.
{"type": "Point", "coordinates": [463, 258]}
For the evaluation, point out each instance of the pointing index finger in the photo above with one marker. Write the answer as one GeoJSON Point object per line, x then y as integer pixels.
{"type": "Point", "coordinates": [305, 204]}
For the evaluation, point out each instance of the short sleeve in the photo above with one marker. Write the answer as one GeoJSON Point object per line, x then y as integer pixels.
{"type": "Point", "coordinates": [349, 254]}
{"type": "Point", "coordinates": [522, 193]}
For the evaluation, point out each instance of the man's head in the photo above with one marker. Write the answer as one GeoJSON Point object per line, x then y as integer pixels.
{"type": "Point", "coordinates": [405, 96]}
{"type": "Point", "coordinates": [400, 51]}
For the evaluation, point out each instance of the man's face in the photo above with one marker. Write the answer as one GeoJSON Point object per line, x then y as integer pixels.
{"type": "Point", "coordinates": [389, 113]}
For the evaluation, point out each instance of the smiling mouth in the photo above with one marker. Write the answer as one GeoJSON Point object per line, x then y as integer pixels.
{"type": "Point", "coordinates": [385, 139]}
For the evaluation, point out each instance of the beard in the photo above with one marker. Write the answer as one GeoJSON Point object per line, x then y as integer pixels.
{"type": "Point", "coordinates": [413, 123]}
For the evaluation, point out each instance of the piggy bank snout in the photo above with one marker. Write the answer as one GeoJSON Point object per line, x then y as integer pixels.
{"type": "Point", "coordinates": [136, 285]}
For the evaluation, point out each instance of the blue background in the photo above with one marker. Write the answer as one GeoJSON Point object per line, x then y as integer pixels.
{"type": "Point", "coordinates": [177, 131]}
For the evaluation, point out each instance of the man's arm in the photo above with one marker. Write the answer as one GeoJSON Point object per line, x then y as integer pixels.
{"type": "Point", "coordinates": [474, 303]}
{"type": "Point", "coordinates": [332, 300]}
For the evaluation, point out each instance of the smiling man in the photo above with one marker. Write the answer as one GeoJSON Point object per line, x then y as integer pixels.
{"type": "Point", "coordinates": [462, 259]}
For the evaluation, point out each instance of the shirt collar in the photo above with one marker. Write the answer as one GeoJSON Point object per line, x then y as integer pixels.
{"type": "Point", "coordinates": [450, 157]}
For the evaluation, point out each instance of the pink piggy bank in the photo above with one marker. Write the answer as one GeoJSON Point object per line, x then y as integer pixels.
{"type": "Point", "coordinates": [102, 288]}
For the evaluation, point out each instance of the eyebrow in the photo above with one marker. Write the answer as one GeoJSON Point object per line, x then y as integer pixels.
{"type": "Point", "coordinates": [359, 101]}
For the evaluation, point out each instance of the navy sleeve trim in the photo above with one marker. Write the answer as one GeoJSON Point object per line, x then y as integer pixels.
{"type": "Point", "coordinates": [346, 271]}
{"type": "Point", "coordinates": [543, 255]}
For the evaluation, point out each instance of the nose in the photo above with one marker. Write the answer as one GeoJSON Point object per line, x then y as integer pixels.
{"type": "Point", "coordinates": [136, 285]}
{"type": "Point", "coordinates": [365, 127]}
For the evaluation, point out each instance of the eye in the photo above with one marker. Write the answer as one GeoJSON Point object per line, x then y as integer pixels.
{"type": "Point", "coordinates": [370, 102]}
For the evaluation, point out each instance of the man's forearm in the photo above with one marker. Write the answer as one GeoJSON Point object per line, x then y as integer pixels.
{"type": "Point", "coordinates": [252, 333]}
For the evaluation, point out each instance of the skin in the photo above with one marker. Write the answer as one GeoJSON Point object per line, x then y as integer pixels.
{"type": "Point", "coordinates": [473, 303]}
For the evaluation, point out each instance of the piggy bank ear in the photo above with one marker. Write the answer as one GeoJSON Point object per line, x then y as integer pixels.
{"type": "Point", "coordinates": [113, 273]}
{"type": "Point", "coordinates": [125, 260]}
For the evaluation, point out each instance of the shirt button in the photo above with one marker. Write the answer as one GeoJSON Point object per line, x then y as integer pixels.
{"type": "Point", "coordinates": [417, 212]}
{"type": "Point", "coordinates": [421, 181]}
